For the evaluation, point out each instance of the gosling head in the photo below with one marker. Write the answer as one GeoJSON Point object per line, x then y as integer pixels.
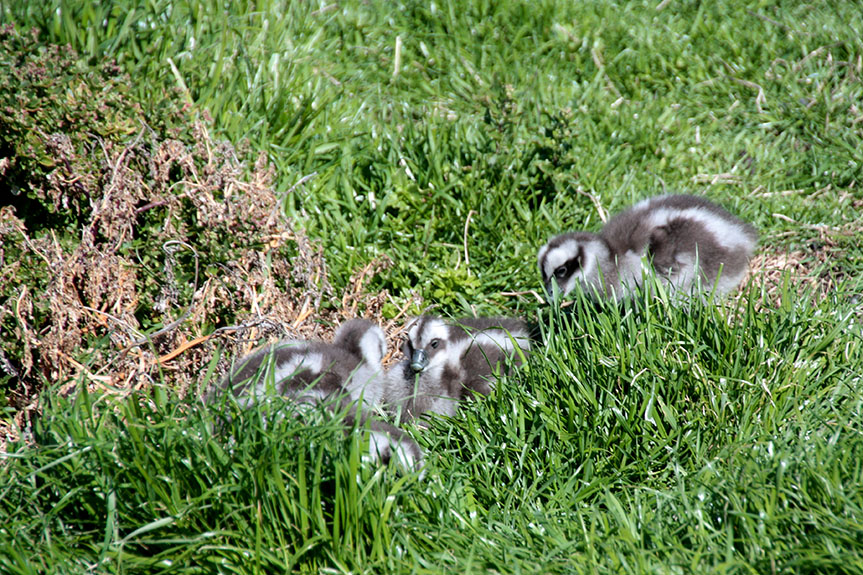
{"type": "Point", "coordinates": [428, 346]}
{"type": "Point", "coordinates": [576, 258]}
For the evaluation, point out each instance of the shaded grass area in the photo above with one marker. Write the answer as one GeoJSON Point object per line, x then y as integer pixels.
{"type": "Point", "coordinates": [454, 138]}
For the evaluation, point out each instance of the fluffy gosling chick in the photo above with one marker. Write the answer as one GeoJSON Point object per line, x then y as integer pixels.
{"type": "Point", "coordinates": [348, 370]}
{"type": "Point", "coordinates": [447, 361]}
{"type": "Point", "coordinates": [683, 238]}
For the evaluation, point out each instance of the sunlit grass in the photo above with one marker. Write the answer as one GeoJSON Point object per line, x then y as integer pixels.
{"type": "Point", "coordinates": [639, 438]}
{"type": "Point", "coordinates": [678, 440]}
{"type": "Point", "coordinates": [506, 113]}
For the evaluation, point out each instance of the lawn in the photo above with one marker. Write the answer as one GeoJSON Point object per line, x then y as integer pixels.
{"type": "Point", "coordinates": [183, 180]}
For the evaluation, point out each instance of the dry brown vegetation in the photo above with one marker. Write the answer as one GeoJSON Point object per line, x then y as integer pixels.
{"type": "Point", "coordinates": [815, 272]}
{"type": "Point", "coordinates": [182, 250]}
{"type": "Point", "coordinates": [137, 247]}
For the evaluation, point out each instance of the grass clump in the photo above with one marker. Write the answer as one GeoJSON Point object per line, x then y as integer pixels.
{"type": "Point", "coordinates": [154, 487]}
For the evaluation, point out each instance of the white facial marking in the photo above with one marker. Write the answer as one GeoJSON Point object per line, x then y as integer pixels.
{"type": "Point", "coordinates": [435, 329]}
{"type": "Point", "coordinates": [542, 251]}
{"type": "Point", "coordinates": [594, 251]}
{"type": "Point", "coordinates": [502, 339]}
{"type": "Point", "coordinates": [560, 255]}
{"type": "Point", "coordinates": [413, 332]}
{"type": "Point", "coordinates": [432, 329]}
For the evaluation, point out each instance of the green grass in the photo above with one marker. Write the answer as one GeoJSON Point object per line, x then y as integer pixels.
{"type": "Point", "coordinates": [640, 439]}
{"type": "Point", "coordinates": [503, 110]}
{"type": "Point", "coordinates": [678, 442]}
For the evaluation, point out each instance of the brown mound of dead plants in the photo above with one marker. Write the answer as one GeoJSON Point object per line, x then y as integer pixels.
{"type": "Point", "coordinates": [224, 269]}
{"type": "Point", "coordinates": [131, 255]}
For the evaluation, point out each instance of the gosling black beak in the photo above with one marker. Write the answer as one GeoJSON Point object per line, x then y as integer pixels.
{"type": "Point", "coordinates": [419, 360]}
{"type": "Point", "coordinates": [552, 291]}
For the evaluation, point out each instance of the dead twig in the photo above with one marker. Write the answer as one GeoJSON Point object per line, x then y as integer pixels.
{"type": "Point", "coordinates": [603, 215]}
{"type": "Point", "coordinates": [305, 312]}
{"type": "Point", "coordinates": [466, 255]}
{"type": "Point", "coordinates": [534, 293]}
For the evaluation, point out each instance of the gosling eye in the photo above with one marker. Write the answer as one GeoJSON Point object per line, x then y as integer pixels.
{"type": "Point", "coordinates": [568, 268]}
{"type": "Point", "coordinates": [434, 343]}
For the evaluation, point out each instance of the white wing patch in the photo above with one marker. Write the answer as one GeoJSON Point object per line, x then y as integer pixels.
{"type": "Point", "coordinates": [298, 362]}
{"type": "Point", "coordinates": [373, 346]}
{"type": "Point", "coordinates": [726, 233]}
{"type": "Point", "coordinates": [502, 339]}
